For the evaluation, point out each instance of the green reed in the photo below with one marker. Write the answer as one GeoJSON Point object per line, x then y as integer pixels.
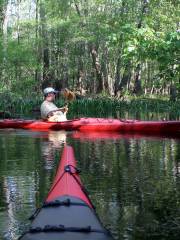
{"type": "Point", "coordinates": [136, 108]}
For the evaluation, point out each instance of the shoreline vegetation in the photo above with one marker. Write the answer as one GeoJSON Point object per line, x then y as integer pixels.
{"type": "Point", "coordinates": [113, 54]}
{"type": "Point", "coordinates": [96, 47]}
{"type": "Point", "coordinates": [142, 108]}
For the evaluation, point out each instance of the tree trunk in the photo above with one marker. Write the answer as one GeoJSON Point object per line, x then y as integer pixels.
{"type": "Point", "coordinates": [97, 67]}
{"type": "Point", "coordinates": [143, 12]}
{"type": "Point", "coordinates": [125, 79]}
{"type": "Point", "coordinates": [3, 4]}
{"type": "Point", "coordinates": [117, 77]}
{"type": "Point", "coordinates": [106, 72]}
{"type": "Point", "coordinates": [38, 75]}
{"type": "Point", "coordinates": [137, 83]}
{"type": "Point", "coordinates": [4, 39]}
{"type": "Point", "coordinates": [46, 64]}
{"type": "Point", "coordinates": [44, 47]}
{"type": "Point", "coordinates": [173, 93]}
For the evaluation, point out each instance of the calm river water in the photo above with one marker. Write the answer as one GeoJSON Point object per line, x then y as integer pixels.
{"type": "Point", "coordinates": [134, 181]}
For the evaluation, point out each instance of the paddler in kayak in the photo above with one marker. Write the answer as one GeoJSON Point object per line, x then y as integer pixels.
{"type": "Point", "coordinates": [49, 111]}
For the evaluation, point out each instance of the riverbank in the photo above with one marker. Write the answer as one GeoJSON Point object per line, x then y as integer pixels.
{"type": "Point", "coordinates": [97, 106]}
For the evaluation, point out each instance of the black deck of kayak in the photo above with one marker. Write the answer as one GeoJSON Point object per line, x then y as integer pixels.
{"type": "Point", "coordinates": [66, 218]}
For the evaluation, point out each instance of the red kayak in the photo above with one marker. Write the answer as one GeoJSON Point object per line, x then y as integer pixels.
{"type": "Point", "coordinates": [98, 124]}
{"type": "Point", "coordinates": [67, 213]}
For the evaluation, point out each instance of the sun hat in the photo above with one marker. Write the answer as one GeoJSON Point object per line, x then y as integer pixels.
{"type": "Point", "coordinates": [49, 90]}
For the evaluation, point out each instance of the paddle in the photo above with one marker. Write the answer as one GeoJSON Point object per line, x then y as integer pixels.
{"type": "Point", "coordinates": [69, 96]}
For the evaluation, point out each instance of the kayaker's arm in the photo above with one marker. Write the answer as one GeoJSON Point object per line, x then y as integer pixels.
{"type": "Point", "coordinates": [63, 109]}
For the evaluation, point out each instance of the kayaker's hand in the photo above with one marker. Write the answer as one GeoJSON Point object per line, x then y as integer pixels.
{"type": "Point", "coordinates": [50, 114]}
{"type": "Point", "coordinates": [65, 109]}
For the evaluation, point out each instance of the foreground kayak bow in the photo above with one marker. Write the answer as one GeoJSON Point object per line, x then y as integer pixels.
{"type": "Point", "coordinates": [67, 213]}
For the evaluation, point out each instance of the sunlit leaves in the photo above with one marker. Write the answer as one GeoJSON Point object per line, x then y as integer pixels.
{"type": "Point", "coordinates": [68, 28]}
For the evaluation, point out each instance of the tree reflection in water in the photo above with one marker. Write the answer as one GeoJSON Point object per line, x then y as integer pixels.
{"type": "Point", "coordinates": [134, 181]}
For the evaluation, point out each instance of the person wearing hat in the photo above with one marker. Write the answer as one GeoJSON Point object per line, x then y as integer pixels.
{"type": "Point", "coordinates": [49, 111]}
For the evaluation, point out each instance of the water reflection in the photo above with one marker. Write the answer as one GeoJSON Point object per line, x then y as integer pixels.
{"type": "Point", "coordinates": [54, 142]}
{"type": "Point", "coordinates": [16, 196]}
{"type": "Point", "coordinates": [94, 135]}
{"type": "Point", "coordinates": [24, 180]}
{"type": "Point", "coordinates": [176, 170]}
{"type": "Point", "coordinates": [134, 181]}
{"type": "Point", "coordinates": [133, 184]}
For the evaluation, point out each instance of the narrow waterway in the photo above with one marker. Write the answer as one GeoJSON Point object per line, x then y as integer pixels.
{"type": "Point", "coordinates": [134, 181]}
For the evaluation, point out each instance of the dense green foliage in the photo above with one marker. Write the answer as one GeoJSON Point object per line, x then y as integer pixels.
{"type": "Point", "coordinates": [13, 106]}
{"type": "Point", "coordinates": [94, 46]}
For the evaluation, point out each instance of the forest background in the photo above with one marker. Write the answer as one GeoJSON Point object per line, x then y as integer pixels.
{"type": "Point", "coordinates": [109, 48]}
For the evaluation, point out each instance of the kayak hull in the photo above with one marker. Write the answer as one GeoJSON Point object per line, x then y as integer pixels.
{"type": "Point", "coordinates": [98, 124]}
{"type": "Point", "coordinates": [67, 213]}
